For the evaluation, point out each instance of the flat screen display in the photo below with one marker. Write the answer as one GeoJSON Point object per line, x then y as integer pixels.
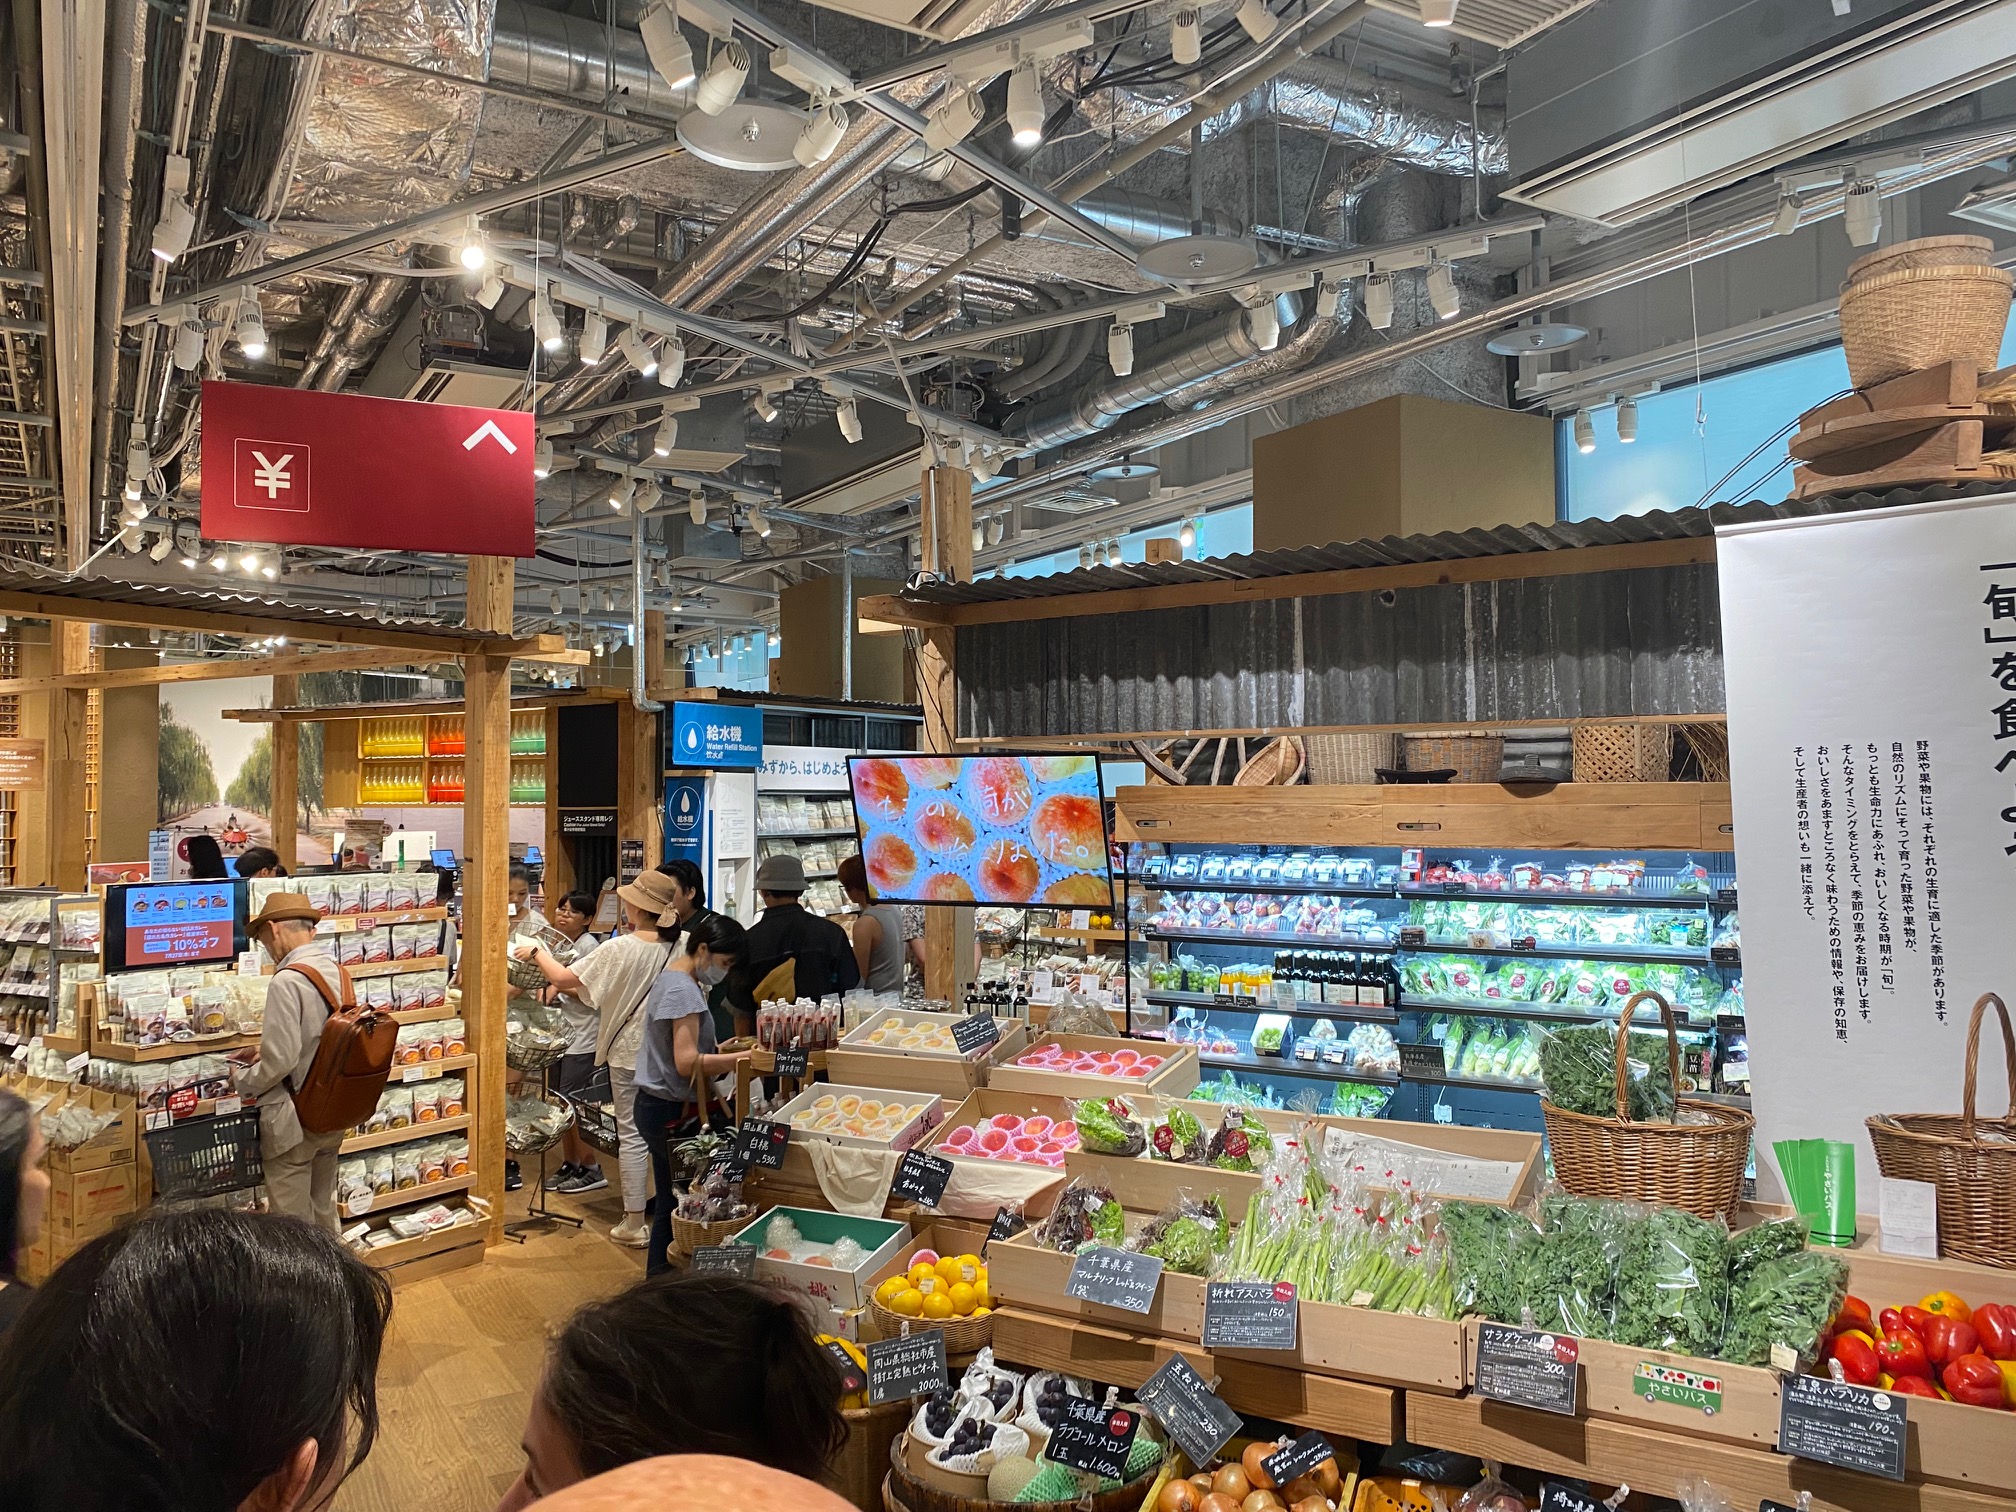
{"type": "Point", "coordinates": [444, 860]}
{"type": "Point", "coordinates": [983, 829]}
{"type": "Point", "coordinates": [172, 923]}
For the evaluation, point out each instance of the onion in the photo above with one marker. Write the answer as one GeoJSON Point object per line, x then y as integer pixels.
{"type": "Point", "coordinates": [1231, 1481]}
{"type": "Point", "coordinates": [1202, 1481]}
{"type": "Point", "coordinates": [1311, 1504]}
{"type": "Point", "coordinates": [1256, 1471]}
{"type": "Point", "coordinates": [1216, 1503]}
{"type": "Point", "coordinates": [1260, 1501]}
{"type": "Point", "coordinates": [1301, 1489]}
{"type": "Point", "coordinates": [1328, 1481]}
{"type": "Point", "coordinates": [1178, 1496]}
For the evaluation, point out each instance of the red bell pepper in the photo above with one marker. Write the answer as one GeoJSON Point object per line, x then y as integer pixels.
{"type": "Point", "coordinates": [1947, 1339]}
{"type": "Point", "coordinates": [1854, 1314]}
{"type": "Point", "coordinates": [1974, 1379]}
{"type": "Point", "coordinates": [1916, 1319]}
{"type": "Point", "coordinates": [1857, 1354]}
{"type": "Point", "coordinates": [1995, 1322]}
{"type": "Point", "coordinates": [1916, 1386]}
{"type": "Point", "coordinates": [1903, 1354]}
{"type": "Point", "coordinates": [1895, 1321]}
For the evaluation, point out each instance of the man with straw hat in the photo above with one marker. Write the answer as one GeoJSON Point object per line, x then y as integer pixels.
{"type": "Point", "coordinates": [300, 1167]}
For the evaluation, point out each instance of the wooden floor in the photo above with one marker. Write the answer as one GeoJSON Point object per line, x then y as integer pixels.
{"type": "Point", "coordinates": [463, 1355]}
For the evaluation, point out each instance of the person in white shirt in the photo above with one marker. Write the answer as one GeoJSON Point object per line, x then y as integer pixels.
{"type": "Point", "coordinates": [579, 1170]}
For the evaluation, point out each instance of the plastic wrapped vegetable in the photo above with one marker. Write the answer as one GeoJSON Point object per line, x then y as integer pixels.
{"type": "Point", "coordinates": [1787, 1300]}
{"type": "Point", "coordinates": [1578, 1068]}
{"type": "Point", "coordinates": [1086, 1213]}
{"type": "Point", "coordinates": [1106, 1127]}
{"type": "Point", "coordinates": [1566, 1273]}
{"type": "Point", "coordinates": [1673, 1283]}
{"type": "Point", "coordinates": [1189, 1237]}
{"type": "Point", "coordinates": [1481, 1241]}
{"type": "Point", "coordinates": [1180, 1137]}
{"type": "Point", "coordinates": [1762, 1243]}
{"type": "Point", "coordinates": [1241, 1143]}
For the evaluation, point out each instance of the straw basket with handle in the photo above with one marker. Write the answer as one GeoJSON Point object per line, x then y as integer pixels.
{"type": "Point", "coordinates": [1697, 1165]}
{"type": "Point", "coordinates": [1971, 1160]}
{"type": "Point", "coordinates": [689, 1234]}
{"type": "Point", "coordinates": [1899, 322]}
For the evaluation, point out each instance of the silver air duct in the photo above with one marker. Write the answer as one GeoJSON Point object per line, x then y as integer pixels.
{"type": "Point", "coordinates": [574, 55]}
{"type": "Point", "coordinates": [1141, 218]}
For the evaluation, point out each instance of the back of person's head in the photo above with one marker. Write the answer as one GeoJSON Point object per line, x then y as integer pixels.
{"type": "Point", "coordinates": [720, 934]}
{"type": "Point", "coordinates": [206, 857]}
{"type": "Point", "coordinates": [854, 876]}
{"type": "Point", "coordinates": [188, 1362]}
{"type": "Point", "coordinates": [694, 1365]}
{"type": "Point", "coordinates": [259, 860]}
{"type": "Point", "coordinates": [17, 1126]}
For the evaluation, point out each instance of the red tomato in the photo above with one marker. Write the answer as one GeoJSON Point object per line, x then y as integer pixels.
{"type": "Point", "coordinates": [1995, 1322]}
{"type": "Point", "coordinates": [1903, 1354]}
{"type": "Point", "coordinates": [1947, 1339]}
{"type": "Point", "coordinates": [1974, 1379]}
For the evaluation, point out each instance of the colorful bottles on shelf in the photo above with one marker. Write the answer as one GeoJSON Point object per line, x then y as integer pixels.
{"type": "Point", "coordinates": [444, 735]}
{"type": "Point", "coordinates": [528, 736]}
{"type": "Point", "coordinates": [528, 781]}
{"type": "Point", "coordinates": [393, 737]}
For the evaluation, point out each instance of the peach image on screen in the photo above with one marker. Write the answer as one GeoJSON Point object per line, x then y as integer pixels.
{"type": "Point", "coordinates": [1081, 890]}
{"type": "Point", "coordinates": [1008, 873]}
{"type": "Point", "coordinates": [999, 786]}
{"type": "Point", "coordinates": [1060, 768]}
{"type": "Point", "coordinates": [1067, 832]}
{"type": "Point", "coordinates": [881, 789]}
{"type": "Point", "coordinates": [931, 771]}
{"type": "Point", "coordinates": [945, 887]}
{"type": "Point", "coordinates": [945, 829]}
{"type": "Point", "coordinates": [891, 863]}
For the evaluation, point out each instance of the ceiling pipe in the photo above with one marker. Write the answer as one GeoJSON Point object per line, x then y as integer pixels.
{"type": "Point", "coordinates": [639, 700]}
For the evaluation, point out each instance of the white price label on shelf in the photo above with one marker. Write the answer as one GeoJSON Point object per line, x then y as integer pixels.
{"type": "Point", "coordinates": [229, 1105]}
{"type": "Point", "coordinates": [1081, 918]}
{"type": "Point", "coordinates": [1041, 981]}
{"type": "Point", "coordinates": [1088, 982]}
{"type": "Point", "coordinates": [157, 1120]}
{"type": "Point", "coordinates": [20, 1052]}
{"type": "Point", "coordinates": [418, 1073]}
{"type": "Point", "coordinates": [359, 1205]}
{"type": "Point", "coordinates": [78, 1061]}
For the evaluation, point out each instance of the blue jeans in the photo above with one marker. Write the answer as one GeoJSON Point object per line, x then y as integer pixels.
{"type": "Point", "coordinates": [656, 1117]}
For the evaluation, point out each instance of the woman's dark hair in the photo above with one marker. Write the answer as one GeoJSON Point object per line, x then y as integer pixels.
{"type": "Point", "coordinates": [695, 1365]}
{"type": "Point", "coordinates": [718, 933]}
{"type": "Point", "coordinates": [854, 876]}
{"type": "Point", "coordinates": [688, 876]}
{"type": "Point", "coordinates": [444, 887]}
{"type": "Point", "coordinates": [16, 1126]}
{"type": "Point", "coordinates": [181, 1361]}
{"type": "Point", "coordinates": [257, 859]}
{"type": "Point", "coordinates": [520, 872]}
{"type": "Point", "coordinates": [206, 857]}
{"type": "Point", "coordinates": [577, 902]}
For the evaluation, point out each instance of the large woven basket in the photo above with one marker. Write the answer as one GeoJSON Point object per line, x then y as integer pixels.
{"type": "Point", "coordinates": [1622, 751]}
{"type": "Point", "coordinates": [1277, 764]}
{"type": "Point", "coordinates": [1897, 323]}
{"type": "Point", "coordinates": [1353, 757]}
{"type": "Point", "coordinates": [963, 1336]}
{"type": "Point", "coordinates": [688, 1234]}
{"type": "Point", "coordinates": [1976, 1176]}
{"type": "Point", "coordinates": [1697, 1166]}
{"type": "Point", "coordinates": [1922, 252]}
{"type": "Point", "coordinates": [1473, 757]}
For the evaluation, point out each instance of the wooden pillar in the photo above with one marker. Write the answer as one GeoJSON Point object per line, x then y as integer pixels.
{"type": "Point", "coordinates": [286, 815]}
{"type": "Point", "coordinates": [559, 860]}
{"type": "Point", "coordinates": [653, 651]}
{"type": "Point", "coordinates": [640, 783]}
{"type": "Point", "coordinates": [486, 844]}
{"type": "Point", "coordinates": [64, 848]}
{"type": "Point", "coordinates": [946, 539]}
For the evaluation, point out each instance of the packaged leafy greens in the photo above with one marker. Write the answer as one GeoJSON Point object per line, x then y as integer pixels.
{"type": "Point", "coordinates": [1105, 1127]}
{"type": "Point", "coordinates": [1481, 1240]}
{"type": "Point", "coordinates": [1763, 1242]}
{"type": "Point", "coordinates": [1673, 1282]}
{"type": "Point", "coordinates": [1565, 1274]}
{"type": "Point", "coordinates": [1179, 1136]}
{"type": "Point", "coordinates": [1578, 1069]}
{"type": "Point", "coordinates": [1242, 1142]}
{"type": "Point", "coordinates": [1189, 1237]}
{"type": "Point", "coordinates": [1786, 1300]}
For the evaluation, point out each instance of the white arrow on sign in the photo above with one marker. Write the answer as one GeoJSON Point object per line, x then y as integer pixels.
{"type": "Point", "coordinates": [488, 428]}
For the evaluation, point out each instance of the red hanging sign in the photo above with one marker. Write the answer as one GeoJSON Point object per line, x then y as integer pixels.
{"type": "Point", "coordinates": [299, 467]}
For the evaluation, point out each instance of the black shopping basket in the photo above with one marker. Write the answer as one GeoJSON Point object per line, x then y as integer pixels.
{"type": "Point", "coordinates": [206, 1157]}
{"type": "Point", "coordinates": [595, 1113]}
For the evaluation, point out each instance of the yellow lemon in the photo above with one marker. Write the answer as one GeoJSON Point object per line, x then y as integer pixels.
{"type": "Point", "coordinates": [909, 1302]}
{"type": "Point", "coordinates": [981, 1300]}
{"type": "Point", "coordinates": [972, 1262]}
{"type": "Point", "coordinates": [948, 1269]}
{"type": "Point", "coordinates": [981, 1312]}
{"type": "Point", "coordinates": [937, 1305]}
{"type": "Point", "coordinates": [920, 1272]}
{"type": "Point", "coordinates": [963, 1299]}
{"type": "Point", "coordinates": [886, 1292]}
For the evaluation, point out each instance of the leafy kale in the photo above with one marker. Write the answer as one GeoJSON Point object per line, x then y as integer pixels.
{"type": "Point", "coordinates": [1565, 1274]}
{"type": "Point", "coordinates": [1788, 1300]}
{"type": "Point", "coordinates": [1673, 1283]}
{"type": "Point", "coordinates": [1482, 1241]}
{"type": "Point", "coordinates": [1578, 1069]}
{"type": "Point", "coordinates": [1764, 1242]}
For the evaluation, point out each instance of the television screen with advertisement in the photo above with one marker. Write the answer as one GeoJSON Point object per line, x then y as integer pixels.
{"type": "Point", "coordinates": [983, 829]}
{"type": "Point", "coordinates": [173, 923]}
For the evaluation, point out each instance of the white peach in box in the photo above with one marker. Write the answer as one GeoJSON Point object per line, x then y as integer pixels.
{"type": "Point", "coordinates": [1123, 1064]}
{"type": "Point", "coordinates": [1035, 1140]}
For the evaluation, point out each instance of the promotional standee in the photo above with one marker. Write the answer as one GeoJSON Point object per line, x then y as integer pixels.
{"type": "Point", "coordinates": [712, 752]}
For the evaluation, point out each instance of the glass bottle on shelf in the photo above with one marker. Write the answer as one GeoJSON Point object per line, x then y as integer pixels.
{"type": "Point", "coordinates": [1392, 984]}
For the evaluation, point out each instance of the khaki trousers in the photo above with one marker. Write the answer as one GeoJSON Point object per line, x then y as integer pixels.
{"type": "Point", "coordinates": [301, 1181]}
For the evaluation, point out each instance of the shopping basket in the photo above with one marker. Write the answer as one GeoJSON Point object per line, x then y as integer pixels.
{"type": "Point", "coordinates": [206, 1157]}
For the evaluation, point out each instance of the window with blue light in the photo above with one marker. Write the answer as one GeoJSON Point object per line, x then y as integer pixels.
{"type": "Point", "coordinates": [1681, 459]}
{"type": "Point", "coordinates": [1227, 532]}
{"type": "Point", "coordinates": [741, 663]}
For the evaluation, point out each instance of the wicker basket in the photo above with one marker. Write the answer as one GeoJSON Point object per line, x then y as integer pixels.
{"type": "Point", "coordinates": [1976, 1177]}
{"type": "Point", "coordinates": [688, 1234]}
{"type": "Point", "coordinates": [1924, 252]}
{"type": "Point", "coordinates": [1607, 751]}
{"type": "Point", "coordinates": [1355, 758]}
{"type": "Point", "coordinates": [1473, 757]}
{"type": "Point", "coordinates": [862, 1465]}
{"type": "Point", "coordinates": [1897, 323]}
{"type": "Point", "coordinates": [1696, 1166]}
{"type": "Point", "coordinates": [1277, 764]}
{"type": "Point", "coordinates": [524, 1139]}
{"type": "Point", "coordinates": [963, 1336]}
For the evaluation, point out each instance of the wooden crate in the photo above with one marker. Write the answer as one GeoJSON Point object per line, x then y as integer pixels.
{"type": "Point", "coordinates": [1020, 1272]}
{"type": "Point", "coordinates": [1173, 1078]}
{"type": "Point", "coordinates": [950, 1077]}
{"type": "Point", "coordinates": [979, 1188]}
{"type": "Point", "coordinates": [1358, 1344]}
{"type": "Point", "coordinates": [1622, 751]}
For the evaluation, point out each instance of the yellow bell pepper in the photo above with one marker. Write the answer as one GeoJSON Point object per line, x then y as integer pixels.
{"type": "Point", "coordinates": [2008, 1369]}
{"type": "Point", "coordinates": [1943, 1304]}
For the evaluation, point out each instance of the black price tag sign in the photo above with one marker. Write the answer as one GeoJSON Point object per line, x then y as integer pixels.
{"type": "Point", "coordinates": [1299, 1458]}
{"type": "Point", "coordinates": [1249, 1315]}
{"type": "Point", "coordinates": [975, 1032]}
{"type": "Point", "coordinates": [1726, 955]}
{"type": "Point", "coordinates": [921, 1177]}
{"type": "Point", "coordinates": [730, 1160]}
{"type": "Point", "coordinates": [1093, 1437]}
{"type": "Point", "coordinates": [1007, 1224]}
{"type": "Point", "coordinates": [725, 1259]}
{"type": "Point", "coordinates": [758, 1142]}
{"type": "Point", "coordinates": [1728, 895]}
{"type": "Point", "coordinates": [1528, 1368]}
{"type": "Point", "coordinates": [911, 1366]}
{"type": "Point", "coordinates": [1850, 1427]}
{"type": "Point", "coordinates": [1525, 942]}
{"type": "Point", "coordinates": [1768, 1505]}
{"type": "Point", "coordinates": [852, 1376]}
{"type": "Point", "coordinates": [1555, 1497]}
{"type": "Point", "coordinates": [1455, 889]}
{"type": "Point", "coordinates": [1117, 1278]}
{"type": "Point", "coordinates": [1232, 1000]}
{"type": "Point", "coordinates": [1187, 1407]}
{"type": "Point", "coordinates": [1413, 936]}
{"type": "Point", "coordinates": [794, 1060]}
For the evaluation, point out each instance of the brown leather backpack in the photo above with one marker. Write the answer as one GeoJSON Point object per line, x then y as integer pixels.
{"type": "Point", "coordinates": [352, 1063]}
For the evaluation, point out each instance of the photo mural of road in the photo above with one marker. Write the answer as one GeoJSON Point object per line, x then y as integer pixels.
{"type": "Point", "coordinates": [216, 774]}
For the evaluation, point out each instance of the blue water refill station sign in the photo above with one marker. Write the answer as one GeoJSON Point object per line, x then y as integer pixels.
{"type": "Point", "coordinates": [686, 819]}
{"type": "Point", "coordinates": [715, 735]}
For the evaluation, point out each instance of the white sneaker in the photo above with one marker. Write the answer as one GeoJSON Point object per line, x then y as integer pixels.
{"type": "Point", "coordinates": [634, 1232]}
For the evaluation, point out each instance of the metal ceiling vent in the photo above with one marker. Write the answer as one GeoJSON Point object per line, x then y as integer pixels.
{"type": "Point", "coordinates": [1703, 93]}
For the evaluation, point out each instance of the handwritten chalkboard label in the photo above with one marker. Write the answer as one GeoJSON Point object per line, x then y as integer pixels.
{"type": "Point", "coordinates": [1528, 1368]}
{"type": "Point", "coordinates": [794, 1060]}
{"type": "Point", "coordinates": [921, 1178]}
{"type": "Point", "coordinates": [1249, 1315]}
{"type": "Point", "coordinates": [976, 1031]}
{"type": "Point", "coordinates": [1093, 1437]}
{"type": "Point", "coordinates": [725, 1259]}
{"type": "Point", "coordinates": [1185, 1405]}
{"type": "Point", "coordinates": [1007, 1224]}
{"type": "Point", "coordinates": [911, 1366]}
{"type": "Point", "coordinates": [758, 1142]}
{"type": "Point", "coordinates": [1849, 1427]}
{"type": "Point", "coordinates": [1299, 1458]}
{"type": "Point", "coordinates": [1555, 1497]}
{"type": "Point", "coordinates": [1117, 1278]}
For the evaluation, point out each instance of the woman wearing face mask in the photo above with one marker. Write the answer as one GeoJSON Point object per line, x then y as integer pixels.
{"type": "Point", "coordinates": [677, 1056]}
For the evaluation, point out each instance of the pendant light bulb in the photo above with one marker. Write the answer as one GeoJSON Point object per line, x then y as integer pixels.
{"type": "Point", "coordinates": [667, 437]}
{"type": "Point", "coordinates": [721, 85]}
{"type": "Point", "coordinates": [666, 45]}
{"type": "Point", "coordinates": [472, 254]}
{"type": "Point", "coordinates": [1120, 349]}
{"type": "Point", "coordinates": [594, 337]}
{"type": "Point", "coordinates": [637, 352]}
{"type": "Point", "coordinates": [824, 129]}
{"type": "Point", "coordinates": [1186, 535]}
{"type": "Point", "coordinates": [671, 362]}
{"type": "Point", "coordinates": [251, 327]}
{"type": "Point", "coordinates": [954, 121]}
{"type": "Point", "coordinates": [1627, 420]}
{"type": "Point", "coordinates": [1256, 20]}
{"type": "Point", "coordinates": [1585, 432]}
{"type": "Point", "coordinates": [1379, 302]}
{"type": "Point", "coordinates": [1442, 293]}
{"type": "Point", "coordinates": [1184, 47]}
{"type": "Point", "coordinates": [545, 324]}
{"type": "Point", "coordinates": [847, 415]}
{"type": "Point", "coordinates": [1025, 105]}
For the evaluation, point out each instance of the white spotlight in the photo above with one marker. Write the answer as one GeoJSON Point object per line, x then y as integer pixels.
{"type": "Point", "coordinates": [473, 255]}
{"type": "Point", "coordinates": [1084, 556]}
{"type": "Point", "coordinates": [545, 324]}
{"type": "Point", "coordinates": [1263, 324]}
{"type": "Point", "coordinates": [758, 522]}
{"type": "Point", "coordinates": [174, 230]}
{"type": "Point", "coordinates": [1183, 42]}
{"type": "Point", "coordinates": [696, 509]}
{"type": "Point", "coordinates": [1627, 420]}
{"type": "Point", "coordinates": [191, 337]}
{"type": "Point", "coordinates": [1585, 432]}
{"type": "Point", "coordinates": [984, 466]}
{"type": "Point", "coordinates": [1186, 535]}
{"type": "Point", "coordinates": [721, 85]}
{"type": "Point", "coordinates": [489, 290]}
{"type": "Point", "coordinates": [1438, 12]}
{"type": "Point", "coordinates": [1025, 105]}
{"type": "Point", "coordinates": [824, 129]}
{"type": "Point", "coordinates": [666, 45]}
{"type": "Point", "coordinates": [219, 562]}
{"type": "Point", "coordinates": [848, 417]}
{"type": "Point", "coordinates": [621, 494]}
{"type": "Point", "coordinates": [139, 462]}
{"type": "Point", "coordinates": [1786, 221]}
{"type": "Point", "coordinates": [764, 403]}
{"type": "Point", "coordinates": [1259, 22]}
{"type": "Point", "coordinates": [1120, 349]}
{"type": "Point", "coordinates": [1862, 210]}
{"type": "Point", "coordinates": [249, 561]}
{"type": "Point", "coordinates": [979, 537]}
{"type": "Point", "coordinates": [671, 362]}
{"type": "Point", "coordinates": [954, 121]}
{"type": "Point", "coordinates": [1333, 299]}
{"type": "Point", "coordinates": [1442, 291]}
{"type": "Point", "coordinates": [1379, 302]}
{"type": "Point", "coordinates": [594, 337]}
{"type": "Point", "coordinates": [637, 352]}
{"type": "Point", "coordinates": [553, 601]}
{"type": "Point", "coordinates": [251, 328]}
{"type": "Point", "coordinates": [994, 531]}
{"type": "Point", "coordinates": [542, 459]}
{"type": "Point", "coordinates": [666, 438]}
{"type": "Point", "coordinates": [163, 544]}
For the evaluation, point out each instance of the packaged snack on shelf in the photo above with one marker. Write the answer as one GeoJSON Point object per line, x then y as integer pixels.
{"type": "Point", "coordinates": [452, 1097]}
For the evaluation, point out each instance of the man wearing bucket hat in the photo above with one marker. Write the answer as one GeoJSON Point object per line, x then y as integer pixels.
{"type": "Point", "coordinates": [300, 1167]}
{"type": "Point", "coordinates": [825, 965]}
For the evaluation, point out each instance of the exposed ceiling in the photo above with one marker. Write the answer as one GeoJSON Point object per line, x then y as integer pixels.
{"type": "Point", "coordinates": [911, 294]}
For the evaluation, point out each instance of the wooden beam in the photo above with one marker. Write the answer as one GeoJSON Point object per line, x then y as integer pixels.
{"type": "Point", "coordinates": [653, 649]}
{"type": "Point", "coordinates": [945, 524]}
{"type": "Point", "coordinates": [1123, 738]}
{"type": "Point", "coordinates": [946, 539]}
{"type": "Point", "coordinates": [1569, 561]}
{"type": "Point", "coordinates": [64, 849]}
{"type": "Point", "coordinates": [285, 667]}
{"type": "Point", "coordinates": [286, 777]}
{"type": "Point", "coordinates": [226, 622]}
{"type": "Point", "coordinates": [486, 845]}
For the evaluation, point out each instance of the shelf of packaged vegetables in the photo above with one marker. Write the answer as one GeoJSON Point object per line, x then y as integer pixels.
{"type": "Point", "coordinates": [1500, 1008]}
{"type": "Point", "coordinates": [1305, 942]}
{"type": "Point", "coordinates": [1283, 1065]}
{"type": "Point", "coordinates": [1211, 1000]}
{"type": "Point", "coordinates": [1488, 1083]}
{"type": "Point", "coordinates": [406, 1135]}
{"type": "Point", "coordinates": [1662, 955]}
{"type": "Point", "coordinates": [825, 834]}
{"type": "Point", "coordinates": [1633, 898]}
{"type": "Point", "coordinates": [1286, 889]}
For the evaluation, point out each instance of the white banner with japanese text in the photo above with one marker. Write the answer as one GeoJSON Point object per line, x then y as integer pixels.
{"type": "Point", "coordinates": [1871, 669]}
